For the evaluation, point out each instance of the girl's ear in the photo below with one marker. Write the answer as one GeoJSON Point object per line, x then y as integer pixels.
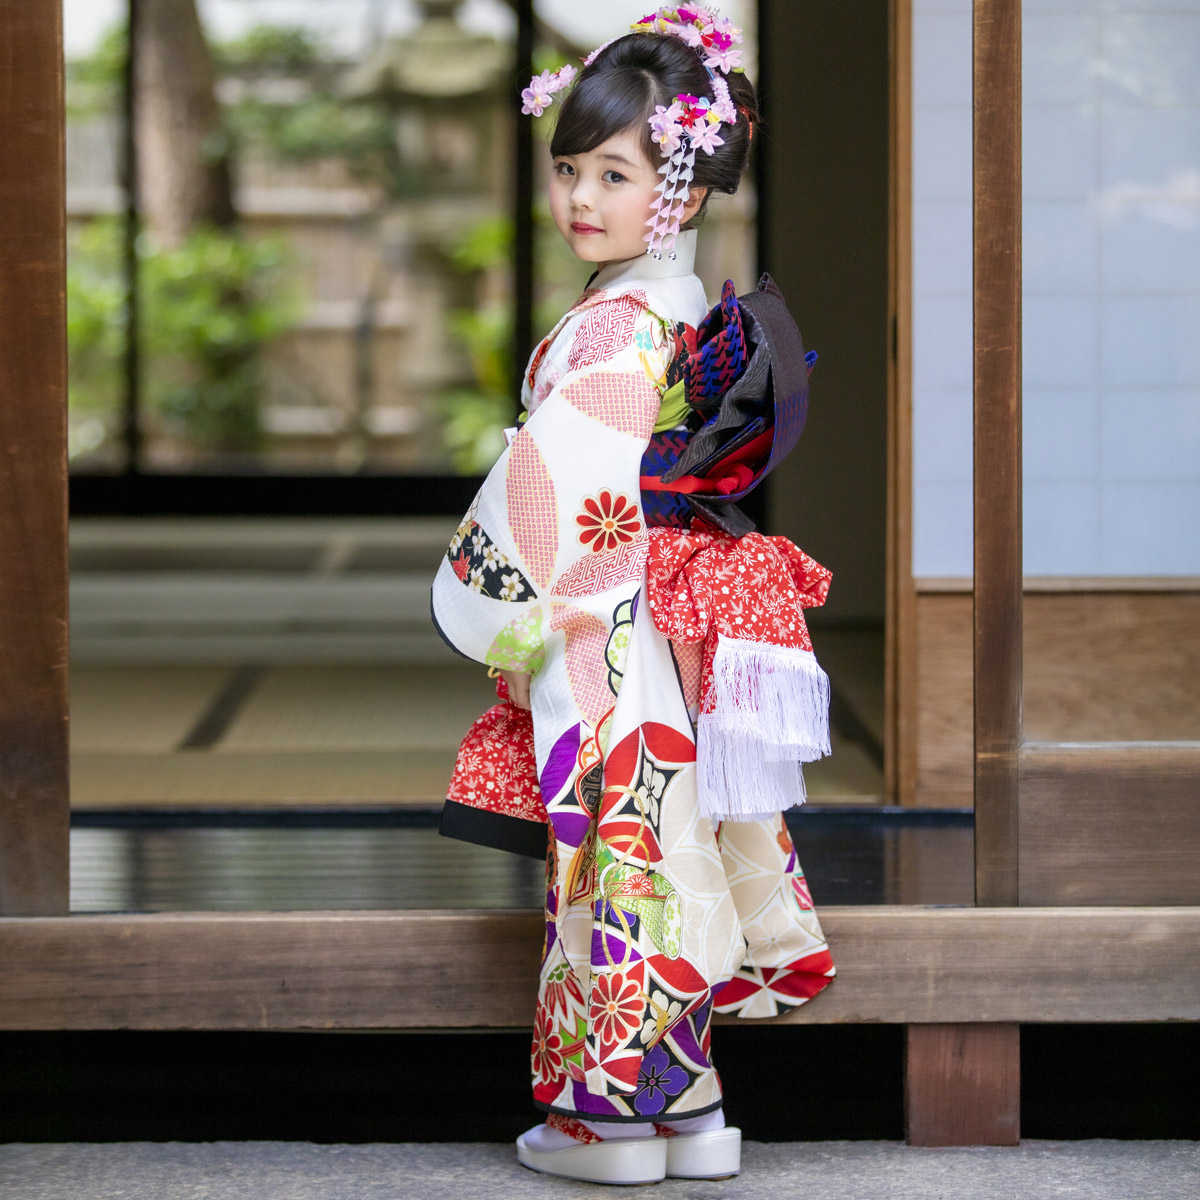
{"type": "Point", "coordinates": [692, 204]}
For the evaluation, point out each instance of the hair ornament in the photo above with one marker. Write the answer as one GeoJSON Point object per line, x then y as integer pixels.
{"type": "Point", "coordinates": [689, 124]}
{"type": "Point", "coordinates": [716, 38]}
{"type": "Point", "coordinates": [539, 95]}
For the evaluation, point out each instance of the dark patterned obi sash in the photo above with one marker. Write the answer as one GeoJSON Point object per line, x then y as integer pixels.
{"type": "Point", "coordinates": [661, 506]}
{"type": "Point", "coordinates": [745, 380]}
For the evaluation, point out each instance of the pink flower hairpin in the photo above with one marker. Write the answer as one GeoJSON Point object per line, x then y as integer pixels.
{"type": "Point", "coordinates": [539, 95]}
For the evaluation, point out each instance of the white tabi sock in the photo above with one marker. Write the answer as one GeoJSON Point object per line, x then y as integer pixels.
{"type": "Point", "coordinates": [701, 1124]}
{"type": "Point", "coordinates": [544, 1138]}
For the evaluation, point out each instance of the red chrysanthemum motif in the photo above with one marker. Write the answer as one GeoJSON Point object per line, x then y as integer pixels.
{"type": "Point", "coordinates": [616, 1007]}
{"type": "Point", "coordinates": [607, 521]}
{"type": "Point", "coordinates": [547, 1049]}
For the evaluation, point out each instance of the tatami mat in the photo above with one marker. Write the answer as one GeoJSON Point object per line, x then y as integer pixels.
{"type": "Point", "coordinates": [266, 663]}
{"type": "Point", "coordinates": [853, 659]}
{"type": "Point", "coordinates": [847, 776]}
{"type": "Point", "coordinates": [357, 708]}
{"type": "Point", "coordinates": [139, 709]}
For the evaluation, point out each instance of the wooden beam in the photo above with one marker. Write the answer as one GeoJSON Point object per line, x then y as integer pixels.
{"type": "Point", "coordinates": [962, 1085]}
{"type": "Point", "coordinates": [997, 456]}
{"type": "Point", "coordinates": [1110, 824]}
{"type": "Point", "coordinates": [900, 626]}
{"type": "Point", "coordinates": [33, 464]}
{"type": "Point", "coordinates": [467, 969]}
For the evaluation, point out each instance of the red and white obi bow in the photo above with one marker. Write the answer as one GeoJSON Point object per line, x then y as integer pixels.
{"type": "Point", "coordinates": [764, 699]}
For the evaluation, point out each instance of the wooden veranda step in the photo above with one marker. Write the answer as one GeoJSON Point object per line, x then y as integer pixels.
{"type": "Point", "coordinates": [477, 969]}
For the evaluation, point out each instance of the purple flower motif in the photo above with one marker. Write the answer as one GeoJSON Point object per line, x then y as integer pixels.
{"type": "Point", "coordinates": [659, 1078]}
{"type": "Point", "coordinates": [564, 78]}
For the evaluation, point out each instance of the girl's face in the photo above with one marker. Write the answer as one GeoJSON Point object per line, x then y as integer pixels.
{"type": "Point", "coordinates": [601, 200]}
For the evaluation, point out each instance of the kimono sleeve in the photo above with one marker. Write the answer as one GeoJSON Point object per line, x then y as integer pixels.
{"type": "Point", "coordinates": [566, 490]}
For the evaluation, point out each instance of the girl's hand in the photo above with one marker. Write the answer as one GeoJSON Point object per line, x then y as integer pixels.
{"type": "Point", "coordinates": [518, 687]}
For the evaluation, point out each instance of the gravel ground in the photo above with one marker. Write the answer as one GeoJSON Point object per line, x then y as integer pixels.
{"type": "Point", "coordinates": [1091, 1170]}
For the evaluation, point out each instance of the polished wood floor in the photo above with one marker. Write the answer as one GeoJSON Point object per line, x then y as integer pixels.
{"type": "Point", "coordinates": [337, 859]}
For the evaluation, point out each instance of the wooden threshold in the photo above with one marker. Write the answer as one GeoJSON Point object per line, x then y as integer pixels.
{"type": "Point", "coordinates": [477, 969]}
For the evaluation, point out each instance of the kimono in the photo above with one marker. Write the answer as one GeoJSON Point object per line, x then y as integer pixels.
{"type": "Point", "coordinates": [656, 915]}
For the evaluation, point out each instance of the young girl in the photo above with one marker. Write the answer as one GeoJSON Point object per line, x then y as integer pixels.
{"type": "Point", "coordinates": [659, 686]}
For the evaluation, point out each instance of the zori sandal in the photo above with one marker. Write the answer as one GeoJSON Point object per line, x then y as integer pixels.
{"type": "Point", "coordinates": [629, 1160]}
{"type": "Point", "coordinates": [713, 1154]}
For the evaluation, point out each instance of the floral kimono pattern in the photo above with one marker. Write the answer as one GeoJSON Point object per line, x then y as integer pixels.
{"type": "Point", "coordinates": [653, 917]}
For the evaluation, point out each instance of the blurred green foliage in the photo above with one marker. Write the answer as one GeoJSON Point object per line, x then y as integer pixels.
{"type": "Point", "coordinates": [207, 309]}
{"type": "Point", "coordinates": [473, 419]}
{"type": "Point", "coordinates": [265, 48]}
{"type": "Point", "coordinates": [210, 305]}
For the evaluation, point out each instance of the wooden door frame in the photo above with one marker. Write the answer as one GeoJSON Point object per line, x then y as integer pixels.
{"type": "Point", "coordinates": [34, 800]}
{"type": "Point", "coordinates": [997, 567]}
{"type": "Point", "coordinates": [900, 614]}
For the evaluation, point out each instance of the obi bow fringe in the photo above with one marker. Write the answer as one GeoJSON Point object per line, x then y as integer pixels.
{"type": "Point", "coordinates": [767, 712]}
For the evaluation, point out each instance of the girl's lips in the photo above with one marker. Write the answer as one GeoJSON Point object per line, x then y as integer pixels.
{"type": "Point", "coordinates": [580, 227]}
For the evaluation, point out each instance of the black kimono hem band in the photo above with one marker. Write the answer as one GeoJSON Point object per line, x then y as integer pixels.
{"type": "Point", "coordinates": [634, 1120]}
{"type": "Point", "coordinates": [498, 831]}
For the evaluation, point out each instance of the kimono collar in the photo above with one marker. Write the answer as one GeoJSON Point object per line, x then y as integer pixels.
{"type": "Point", "coordinates": [646, 266]}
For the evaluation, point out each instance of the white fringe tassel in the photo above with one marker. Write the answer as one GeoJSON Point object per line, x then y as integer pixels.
{"type": "Point", "coordinates": [770, 714]}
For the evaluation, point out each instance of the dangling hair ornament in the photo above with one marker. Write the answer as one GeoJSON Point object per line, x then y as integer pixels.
{"type": "Point", "coordinates": [689, 123]}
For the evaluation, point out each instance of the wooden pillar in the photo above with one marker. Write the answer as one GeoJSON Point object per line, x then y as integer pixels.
{"type": "Point", "coordinates": [962, 1085]}
{"type": "Point", "coordinates": [963, 1082]}
{"type": "Point", "coordinates": [900, 627]}
{"type": "Point", "coordinates": [997, 566]}
{"type": "Point", "coordinates": [34, 812]}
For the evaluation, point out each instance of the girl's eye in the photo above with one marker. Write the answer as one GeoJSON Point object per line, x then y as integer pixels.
{"type": "Point", "coordinates": [564, 168]}
{"type": "Point", "coordinates": [613, 177]}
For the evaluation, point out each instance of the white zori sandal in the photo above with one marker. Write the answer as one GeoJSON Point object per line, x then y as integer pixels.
{"type": "Point", "coordinates": [705, 1154]}
{"type": "Point", "coordinates": [567, 1147]}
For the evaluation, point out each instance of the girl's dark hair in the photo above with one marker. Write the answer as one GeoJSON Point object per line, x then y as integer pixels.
{"type": "Point", "coordinates": [623, 85]}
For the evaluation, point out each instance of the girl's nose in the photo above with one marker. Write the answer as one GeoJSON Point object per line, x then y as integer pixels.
{"type": "Point", "coordinates": [581, 194]}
